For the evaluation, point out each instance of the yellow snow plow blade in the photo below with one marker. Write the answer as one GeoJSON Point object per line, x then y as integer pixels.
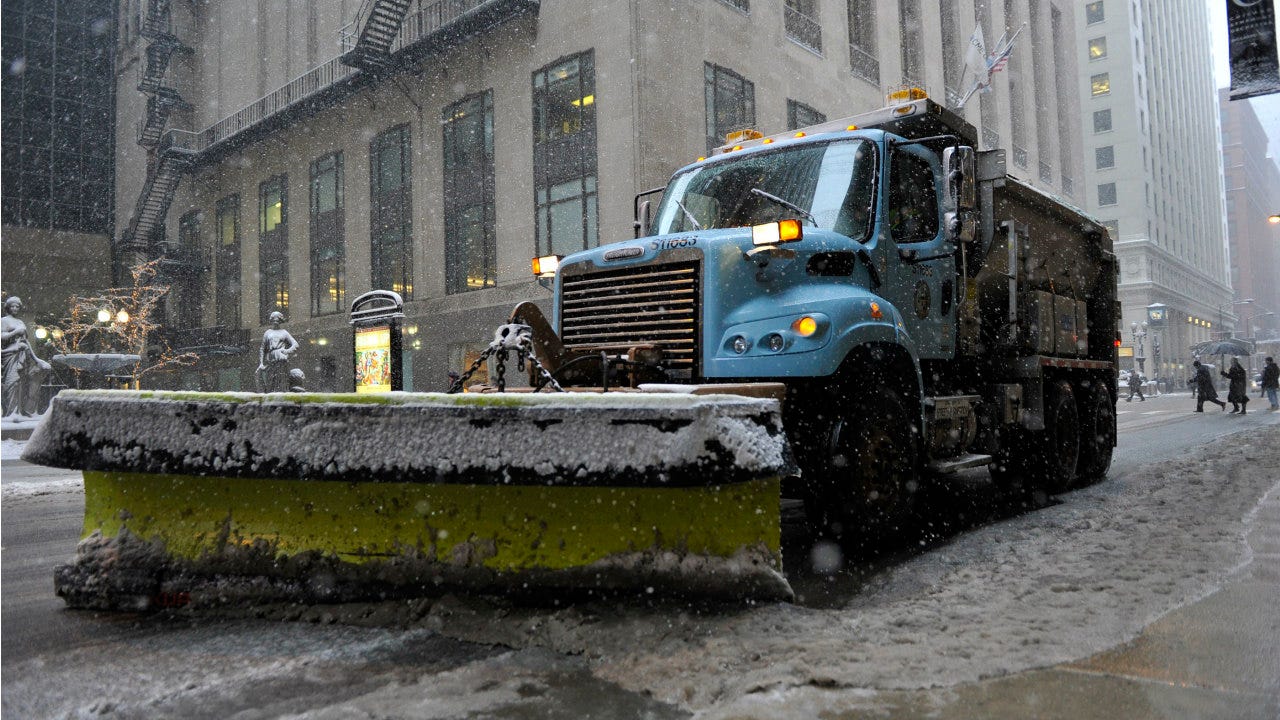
{"type": "Point", "coordinates": [212, 497]}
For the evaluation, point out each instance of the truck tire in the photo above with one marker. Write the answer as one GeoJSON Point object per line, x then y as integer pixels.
{"type": "Point", "coordinates": [1059, 450]}
{"type": "Point", "coordinates": [1097, 433]}
{"type": "Point", "coordinates": [867, 472]}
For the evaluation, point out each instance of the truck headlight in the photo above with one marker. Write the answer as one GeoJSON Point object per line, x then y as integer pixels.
{"type": "Point", "coordinates": [740, 344]}
{"type": "Point", "coordinates": [774, 342]}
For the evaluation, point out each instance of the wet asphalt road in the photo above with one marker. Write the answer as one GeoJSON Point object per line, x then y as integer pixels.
{"type": "Point", "coordinates": [305, 667]}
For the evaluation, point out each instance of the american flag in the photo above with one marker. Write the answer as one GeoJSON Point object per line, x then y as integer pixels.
{"type": "Point", "coordinates": [999, 58]}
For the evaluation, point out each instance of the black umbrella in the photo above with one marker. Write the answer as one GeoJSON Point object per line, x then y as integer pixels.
{"type": "Point", "coordinates": [1230, 346]}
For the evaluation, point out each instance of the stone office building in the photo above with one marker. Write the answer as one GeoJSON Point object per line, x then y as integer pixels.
{"type": "Point", "coordinates": [299, 153]}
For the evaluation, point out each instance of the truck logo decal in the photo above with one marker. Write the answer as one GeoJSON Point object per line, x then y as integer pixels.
{"type": "Point", "coordinates": [674, 243]}
{"type": "Point", "coordinates": [924, 299]}
{"type": "Point", "coordinates": [623, 253]}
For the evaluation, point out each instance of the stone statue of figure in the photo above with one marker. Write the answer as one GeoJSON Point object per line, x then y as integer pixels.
{"type": "Point", "coordinates": [23, 370]}
{"type": "Point", "coordinates": [273, 357]}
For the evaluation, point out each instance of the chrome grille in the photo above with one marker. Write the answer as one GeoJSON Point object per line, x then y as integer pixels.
{"type": "Point", "coordinates": [645, 305]}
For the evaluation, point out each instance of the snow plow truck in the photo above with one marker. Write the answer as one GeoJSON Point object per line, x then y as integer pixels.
{"type": "Point", "coordinates": [841, 313]}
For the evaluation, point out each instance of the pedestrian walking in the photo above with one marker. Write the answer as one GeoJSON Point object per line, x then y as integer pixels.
{"type": "Point", "coordinates": [1135, 387]}
{"type": "Point", "coordinates": [1205, 389]}
{"type": "Point", "coordinates": [1237, 395]}
{"type": "Point", "coordinates": [1271, 382]}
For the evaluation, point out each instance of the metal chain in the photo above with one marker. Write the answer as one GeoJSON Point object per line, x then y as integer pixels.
{"type": "Point", "coordinates": [508, 338]}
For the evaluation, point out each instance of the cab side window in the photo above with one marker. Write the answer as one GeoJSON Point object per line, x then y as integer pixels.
{"type": "Point", "coordinates": [913, 199]}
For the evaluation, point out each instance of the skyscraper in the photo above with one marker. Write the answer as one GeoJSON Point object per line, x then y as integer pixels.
{"type": "Point", "coordinates": [1153, 173]}
{"type": "Point", "coordinates": [58, 118]}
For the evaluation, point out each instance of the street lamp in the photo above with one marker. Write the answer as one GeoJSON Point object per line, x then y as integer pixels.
{"type": "Point", "coordinates": [1138, 337]}
{"type": "Point", "coordinates": [1274, 218]}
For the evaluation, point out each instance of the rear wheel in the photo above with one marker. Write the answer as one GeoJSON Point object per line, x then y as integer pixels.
{"type": "Point", "coordinates": [1097, 433]}
{"type": "Point", "coordinates": [1059, 451]}
{"type": "Point", "coordinates": [864, 469]}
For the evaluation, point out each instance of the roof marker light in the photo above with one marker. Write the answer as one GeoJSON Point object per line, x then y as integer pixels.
{"type": "Point", "coordinates": [852, 128]}
{"type": "Point", "coordinates": [768, 141]}
{"type": "Point", "coordinates": [799, 134]}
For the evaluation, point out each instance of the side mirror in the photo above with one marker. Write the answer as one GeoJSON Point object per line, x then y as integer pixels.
{"type": "Point", "coordinates": [641, 208]}
{"type": "Point", "coordinates": [641, 223]}
{"type": "Point", "coordinates": [960, 193]}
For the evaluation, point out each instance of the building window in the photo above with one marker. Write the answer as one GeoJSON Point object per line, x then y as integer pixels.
{"type": "Point", "coordinates": [470, 253]}
{"type": "Point", "coordinates": [186, 291]}
{"type": "Point", "coordinates": [731, 103]}
{"type": "Point", "coordinates": [1105, 157]}
{"type": "Point", "coordinates": [862, 40]}
{"type": "Point", "coordinates": [909, 19]}
{"type": "Point", "coordinates": [273, 247]}
{"type": "Point", "coordinates": [391, 198]}
{"type": "Point", "coordinates": [1102, 120]}
{"type": "Point", "coordinates": [1100, 84]}
{"type": "Point", "coordinates": [328, 248]}
{"type": "Point", "coordinates": [801, 20]}
{"type": "Point", "coordinates": [1097, 48]}
{"type": "Point", "coordinates": [1107, 194]}
{"type": "Point", "coordinates": [227, 273]}
{"type": "Point", "coordinates": [800, 115]}
{"type": "Point", "coordinates": [564, 155]}
{"type": "Point", "coordinates": [1093, 13]}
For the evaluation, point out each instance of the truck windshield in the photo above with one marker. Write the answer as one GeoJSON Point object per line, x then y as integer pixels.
{"type": "Point", "coordinates": [834, 182]}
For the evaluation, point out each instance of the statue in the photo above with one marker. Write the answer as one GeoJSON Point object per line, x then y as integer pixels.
{"type": "Point", "coordinates": [273, 357]}
{"type": "Point", "coordinates": [23, 370]}
{"type": "Point", "coordinates": [296, 378]}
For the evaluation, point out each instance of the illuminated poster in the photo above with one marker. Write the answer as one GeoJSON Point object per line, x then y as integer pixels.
{"type": "Point", "coordinates": [373, 360]}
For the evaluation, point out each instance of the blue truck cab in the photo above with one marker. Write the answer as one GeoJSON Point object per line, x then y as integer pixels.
{"type": "Point", "coordinates": [882, 277]}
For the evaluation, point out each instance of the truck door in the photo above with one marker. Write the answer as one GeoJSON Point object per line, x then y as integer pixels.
{"type": "Point", "coordinates": [921, 263]}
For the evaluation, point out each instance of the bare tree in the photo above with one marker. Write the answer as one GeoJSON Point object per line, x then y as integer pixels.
{"type": "Point", "coordinates": [126, 320]}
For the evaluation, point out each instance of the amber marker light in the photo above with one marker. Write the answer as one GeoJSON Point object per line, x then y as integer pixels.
{"type": "Point", "coordinates": [875, 311]}
{"type": "Point", "coordinates": [805, 326]}
{"type": "Point", "coordinates": [546, 266]}
{"type": "Point", "coordinates": [737, 147]}
{"type": "Point", "coordinates": [776, 232]}
{"type": "Point", "coordinates": [851, 128]}
{"type": "Point", "coordinates": [768, 141]}
{"type": "Point", "coordinates": [799, 134]}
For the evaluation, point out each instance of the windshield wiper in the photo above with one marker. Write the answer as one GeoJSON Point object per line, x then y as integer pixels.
{"type": "Point", "coordinates": [785, 203]}
{"type": "Point", "coordinates": [696, 225]}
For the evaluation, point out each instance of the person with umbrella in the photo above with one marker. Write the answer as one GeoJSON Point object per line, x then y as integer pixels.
{"type": "Point", "coordinates": [1205, 389]}
{"type": "Point", "coordinates": [1237, 395]}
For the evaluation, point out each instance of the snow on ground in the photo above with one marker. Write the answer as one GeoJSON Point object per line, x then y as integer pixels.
{"type": "Point", "coordinates": [1053, 585]}
{"type": "Point", "coordinates": [11, 449]}
{"type": "Point", "coordinates": [1050, 586]}
{"type": "Point", "coordinates": [21, 490]}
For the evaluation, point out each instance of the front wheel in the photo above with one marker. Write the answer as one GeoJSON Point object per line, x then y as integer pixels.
{"type": "Point", "coordinates": [866, 474]}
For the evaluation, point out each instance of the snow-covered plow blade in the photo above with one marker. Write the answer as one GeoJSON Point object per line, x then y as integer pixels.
{"type": "Point", "coordinates": [207, 498]}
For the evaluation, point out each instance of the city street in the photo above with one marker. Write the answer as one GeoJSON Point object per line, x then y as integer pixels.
{"type": "Point", "coordinates": [1148, 595]}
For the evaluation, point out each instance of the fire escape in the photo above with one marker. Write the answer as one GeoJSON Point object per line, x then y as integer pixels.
{"type": "Point", "coordinates": [143, 237]}
{"type": "Point", "coordinates": [379, 23]}
{"type": "Point", "coordinates": [182, 268]}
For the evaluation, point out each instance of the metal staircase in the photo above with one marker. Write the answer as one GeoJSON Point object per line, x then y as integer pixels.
{"type": "Point", "coordinates": [165, 165]}
{"type": "Point", "coordinates": [379, 23]}
{"type": "Point", "coordinates": [159, 106]}
{"type": "Point", "coordinates": [147, 224]}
